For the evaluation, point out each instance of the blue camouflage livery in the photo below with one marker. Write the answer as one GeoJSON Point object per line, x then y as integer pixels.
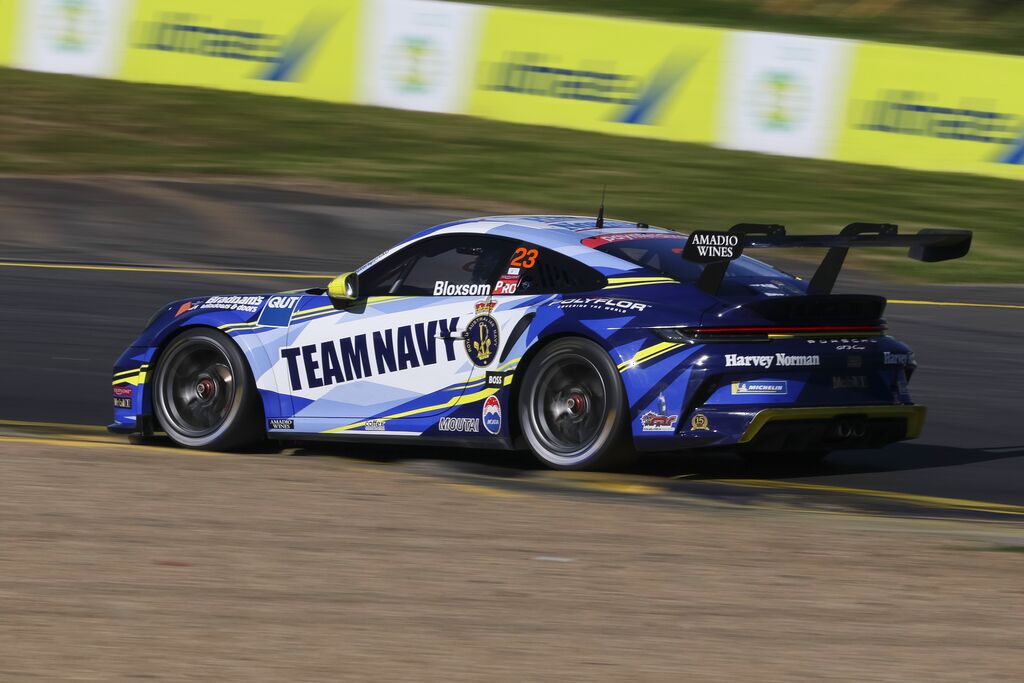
{"type": "Point", "coordinates": [737, 367]}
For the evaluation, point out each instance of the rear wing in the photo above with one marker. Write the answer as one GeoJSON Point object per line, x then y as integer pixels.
{"type": "Point", "coordinates": [717, 249]}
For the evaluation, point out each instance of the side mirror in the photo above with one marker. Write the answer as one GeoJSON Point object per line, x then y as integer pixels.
{"type": "Point", "coordinates": [344, 289]}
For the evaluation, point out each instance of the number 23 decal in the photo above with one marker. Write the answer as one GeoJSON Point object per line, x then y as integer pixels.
{"type": "Point", "coordinates": [524, 257]}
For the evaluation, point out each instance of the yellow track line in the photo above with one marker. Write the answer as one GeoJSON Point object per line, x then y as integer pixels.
{"type": "Point", "coordinates": [928, 501]}
{"type": "Point", "coordinates": [911, 302]}
{"type": "Point", "coordinates": [104, 444]}
{"type": "Point", "coordinates": [61, 425]}
{"type": "Point", "coordinates": [158, 269]}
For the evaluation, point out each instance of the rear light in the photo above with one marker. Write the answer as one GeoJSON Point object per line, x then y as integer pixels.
{"type": "Point", "coordinates": [764, 333]}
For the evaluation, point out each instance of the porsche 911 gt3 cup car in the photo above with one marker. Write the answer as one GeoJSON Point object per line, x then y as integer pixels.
{"type": "Point", "coordinates": [584, 340]}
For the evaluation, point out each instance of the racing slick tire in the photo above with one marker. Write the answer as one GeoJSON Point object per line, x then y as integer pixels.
{"type": "Point", "coordinates": [203, 392]}
{"type": "Point", "coordinates": [572, 408]}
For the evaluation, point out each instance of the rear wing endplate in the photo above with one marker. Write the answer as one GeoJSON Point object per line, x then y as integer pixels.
{"type": "Point", "coordinates": [717, 249]}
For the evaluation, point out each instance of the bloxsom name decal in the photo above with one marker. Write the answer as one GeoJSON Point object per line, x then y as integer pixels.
{"type": "Point", "coordinates": [445, 288]}
{"type": "Point", "coordinates": [365, 355]}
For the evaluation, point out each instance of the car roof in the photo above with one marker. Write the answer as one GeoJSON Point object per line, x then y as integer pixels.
{"type": "Point", "coordinates": [561, 233]}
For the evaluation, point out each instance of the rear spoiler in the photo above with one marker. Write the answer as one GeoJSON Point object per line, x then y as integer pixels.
{"type": "Point", "coordinates": [717, 249]}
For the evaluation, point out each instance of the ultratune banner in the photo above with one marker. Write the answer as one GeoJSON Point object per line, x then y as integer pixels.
{"type": "Point", "coordinates": [299, 48]}
{"type": "Point", "coordinates": [609, 75]}
{"type": "Point", "coordinates": [939, 110]}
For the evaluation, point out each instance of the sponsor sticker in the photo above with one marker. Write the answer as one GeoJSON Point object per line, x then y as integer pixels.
{"type": "Point", "coordinates": [594, 242]}
{"type": "Point", "coordinates": [124, 390]}
{"type": "Point", "coordinates": [759, 388]}
{"type": "Point", "coordinates": [445, 288]}
{"type": "Point", "coordinates": [850, 382]}
{"type": "Point", "coordinates": [733, 360]}
{"type": "Point", "coordinates": [374, 426]}
{"type": "Point", "coordinates": [485, 307]}
{"type": "Point", "coordinates": [656, 422]}
{"type": "Point", "coordinates": [383, 351]}
{"type": "Point", "coordinates": [459, 424]}
{"type": "Point", "coordinates": [898, 358]}
{"type": "Point", "coordinates": [482, 340]}
{"type": "Point", "coordinates": [699, 422]}
{"type": "Point", "coordinates": [280, 423]}
{"type": "Point", "coordinates": [122, 402]}
{"type": "Point", "coordinates": [246, 304]}
{"type": "Point", "coordinates": [507, 284]}
{"type": "Point", "coordinates": [184, 308]}
{"type": "Point", "coordinates": [492, 415]}
{"type": "Point", "coordinates": [709, 247]}
{"type": "Point", "coordinates": [612, 305]}
{"type": "Point", "coordinates": [278, 311]}
{"type": "Point", "coordinates": [495, 379]}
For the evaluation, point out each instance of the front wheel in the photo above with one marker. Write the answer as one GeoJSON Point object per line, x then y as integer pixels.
{"type": "Point", "coordinates": [203, 393]}
{"type": "Point", "coordinates": [572, 407]}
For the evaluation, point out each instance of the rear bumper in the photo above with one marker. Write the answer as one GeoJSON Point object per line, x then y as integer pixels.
{"type": "Point", "coordinates": [831, 428]}
{"type": "Point", "coordinates": [859, 418]}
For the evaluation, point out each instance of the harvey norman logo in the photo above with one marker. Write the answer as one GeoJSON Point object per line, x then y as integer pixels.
{"type": "Point", "coordinates": [733, 360]}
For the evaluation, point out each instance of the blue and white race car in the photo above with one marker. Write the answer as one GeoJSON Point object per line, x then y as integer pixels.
{"type": "Point", "coordinates": [584, 340]}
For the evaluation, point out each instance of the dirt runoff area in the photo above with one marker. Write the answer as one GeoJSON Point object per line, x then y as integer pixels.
{"type": "Point", "coordinates": [120, 563]}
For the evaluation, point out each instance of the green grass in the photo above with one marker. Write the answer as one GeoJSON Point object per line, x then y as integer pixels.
{"type": "Point", "coordinates": [61, 124]}
{"type": "Point", "coordinates": [989, 25]}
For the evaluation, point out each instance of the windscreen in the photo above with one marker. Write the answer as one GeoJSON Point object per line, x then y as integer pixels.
{"type": "Point", "coordinates": [663, 254]}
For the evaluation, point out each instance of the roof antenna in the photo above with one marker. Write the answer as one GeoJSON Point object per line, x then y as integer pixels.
{"type": "Point", "coordinates": [600, 211]}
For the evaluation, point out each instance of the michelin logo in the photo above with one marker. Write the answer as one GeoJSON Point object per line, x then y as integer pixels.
{"type": "Point", "coordinates": [759, 388]}
{"type": "Point", "coordinates": [733, 360]}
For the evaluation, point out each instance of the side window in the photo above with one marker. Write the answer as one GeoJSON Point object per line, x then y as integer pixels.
{"type": "Point", "coordinates": [381, 279]}
{"type": "Point", "coordinates": [534, 270]}
{"type": "Point", "coordinates": [454, 265]}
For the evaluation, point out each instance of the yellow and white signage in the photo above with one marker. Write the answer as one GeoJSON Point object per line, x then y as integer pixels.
{"type": "Point", "coordinates": [783, 94]}
{"type": "Point", "coordinates": [939, 110]}
{"type": "Point", "coordinates": [8, 17]}
{"type": "Point", "coordinates": [418, 54]}
{"type": "Point", "coordinates": [301, 48]}
{"type": "Point", "coordinates": [81, 37]}
{"type": "Point", "coordinates": [622, 77]}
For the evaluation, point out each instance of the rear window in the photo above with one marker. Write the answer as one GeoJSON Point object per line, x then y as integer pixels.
{"type": "Point", "coordinates": [663, 254]}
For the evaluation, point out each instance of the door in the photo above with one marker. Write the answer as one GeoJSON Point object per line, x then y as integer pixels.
{"type": "Point", "coordinates": [399, 349]}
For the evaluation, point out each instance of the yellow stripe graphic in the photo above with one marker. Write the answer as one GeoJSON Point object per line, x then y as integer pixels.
{"type": "Point", "coordinates": [646, 354]}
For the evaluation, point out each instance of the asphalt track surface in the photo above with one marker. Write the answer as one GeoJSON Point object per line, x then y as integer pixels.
{"type": "Point", "coordinates": [61, 327]}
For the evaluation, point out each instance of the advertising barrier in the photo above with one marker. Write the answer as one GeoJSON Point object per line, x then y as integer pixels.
{"type": "Point", "coordinates": [418, 54]}
{"type": "Point", "coordinates": [8, 19]}
{"type": "Point", "coordinates": [609, 75]}
{"type": "Point", "coordinates": [80, 37]}
{"type": "Point", "coordinates": [301, 48]}
{"type": "Point", "coordinates": [782, 94]}
{"type": "Point", "coordinates": [939, 110]}
{"type": "Point", "coordinates": [922, 108]}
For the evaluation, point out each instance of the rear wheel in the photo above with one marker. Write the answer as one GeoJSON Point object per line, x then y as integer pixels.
{"type": "Point", "coordinates": [203, 392]}
{"type": "Point", "coordinates": [572, 407]}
